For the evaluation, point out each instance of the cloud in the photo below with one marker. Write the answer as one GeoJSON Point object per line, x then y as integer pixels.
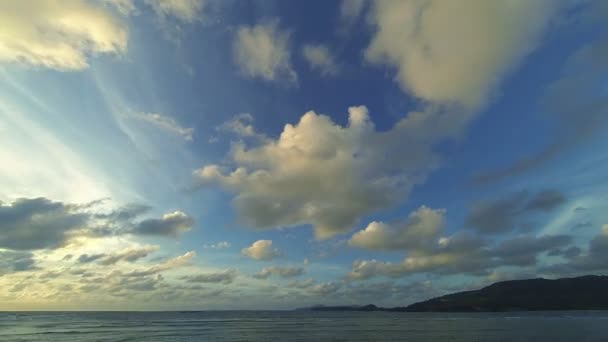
{"type": "Point", "coordinates": [261, 250]}
{"type": "Point", "coordinates": [351, 9]}
{"type": "Point", "coordinates": [594, 260]}
{"type": "Point", "coordinates": [320, 58]}
{"type": "Point", "coordinates": [176, 262]}
{"type": "Point", "coordinates": [171, 224]}
{"type": "Point", "coordinates": [464, 254]}
{"type": "Point", "coordinates": [421, 229]}
{"type": "Point", "coordinates": [37, 223]}
{"type": "Point", "coordinates": [129, 255]}
{"type": "Point", "coordinates": [185, 10]}
{"type": "Point", "coordinates": [16, 261]}
{"type": "Point", "coordinates": [281, 271]}
{"type": "Point", "coordinates": [58, 34]}
{"type": "Point", "coordinates": [573, 105]}
{"type": "Point", "coordinates": [241, 125]}
{"type": "Point", "coordinates": [292, 180]}
{"type": "Point", "coordinates": [87, 258]}
{"type": "Point", "coordinates": [262, 51]}
{"type": "Point", "coordinates": [219, 245]}
{"type": "Point", "coordinates": [506, 214]}
{"type": "Point", "coordinates": [446, 52]}
{"type": "Point", "coordinates": [165, 123]}
{"type": "Point", "coordinates": [224, 277]}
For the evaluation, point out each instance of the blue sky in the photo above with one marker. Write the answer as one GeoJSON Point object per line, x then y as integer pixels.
{"type": "Point", "coordinates": [198, 154]}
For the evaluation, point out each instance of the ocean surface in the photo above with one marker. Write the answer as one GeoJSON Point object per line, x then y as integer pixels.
{"type": "Point", "coordinates": [303, 326]}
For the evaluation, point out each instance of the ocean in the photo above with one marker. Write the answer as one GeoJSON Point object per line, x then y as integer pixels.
{"type": "Point", "coordinates": [303, 326]}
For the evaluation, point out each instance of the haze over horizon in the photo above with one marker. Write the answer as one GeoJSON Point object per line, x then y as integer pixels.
{"type": "Point", "coordinates": [206, 154]}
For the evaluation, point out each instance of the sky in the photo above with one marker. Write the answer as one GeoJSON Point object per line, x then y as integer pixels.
{"type": "Point", "coordinates": [204, 154]}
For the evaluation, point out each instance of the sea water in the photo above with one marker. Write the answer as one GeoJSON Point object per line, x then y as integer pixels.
{"type": "Point", "coordinates": [303, 326]}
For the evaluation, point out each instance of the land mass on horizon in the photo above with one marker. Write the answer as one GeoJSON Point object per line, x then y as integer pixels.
{"type": "Point", "coordinates": [580, 293]}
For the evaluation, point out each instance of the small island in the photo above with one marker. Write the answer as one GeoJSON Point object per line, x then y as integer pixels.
{"type": "Point", "coordinates": [580, 293]}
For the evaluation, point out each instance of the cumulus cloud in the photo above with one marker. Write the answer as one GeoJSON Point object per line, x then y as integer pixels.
{"type": "Point", "coordinates": [185, 10]}
{"type": "Point", "coordinates": [447, 52]}
{"type": "Point", "coordinates": [37, 223]}
{"type": "Point", "coordinates": [58, 34]}
{"type": "Point", "coordinates": [506, 214]}
{"type": "Point", "coordinates": [165, 123]}
{"type": "Point", "coordinates": [292, 180]}
{"type": "Point", "coordinates": [170, 224]}
{"type": "Point", "coordinates": [281, 271]}
{"type": "Point", "coordinates": [261, 250]}
{"type": "Point", "coordinates": [263, 51]}
{"type": "Point", "coordinates": [225, 277]}
{"type": "Point", "coordinates": [421, 229]}
{"type": "Point", "coordinates": [320, 59]}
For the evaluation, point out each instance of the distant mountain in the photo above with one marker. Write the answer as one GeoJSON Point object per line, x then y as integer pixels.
{"type": "Point", "coordinates": [581, 293]}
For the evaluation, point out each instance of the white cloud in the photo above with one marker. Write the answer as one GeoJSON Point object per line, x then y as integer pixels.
{"type": "Point", "coordinates": [165, 123]}
{"type": "Point", "coordinates": [455, 52]}
{"type": "Point", "coordinates": [262, 51]}
{"type": "Point", "coordinates": [261, 250]}
{"type": "Point", "coordinates": [219, 245]}
{"type": "Point", "coordinates": [320, 173]}
{"type": "Point", "coordinates": [241, 125]}
{"type": "Point", "coordinates": [281, 271]}
{"type": "Point", "coordinates": [421, 230]}
{"type": "Point", "coordinates": [184, 10]}
{"type": "Point", "coordinates": [58, 34]}
{"type": "Point", "coordinates": [320, 58]}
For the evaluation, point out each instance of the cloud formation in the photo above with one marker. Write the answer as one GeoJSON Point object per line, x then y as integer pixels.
{"type": "Point", "coordinates": [463, 253]}
{"type": "Point", "coordinates": [16, 261]}
{"type": "Point", "coordinates": [320, 59]}
{"type": "Point", "coordinates": [421, 229]}
{"type": "Point", "coordinates": [280, 271]}
{"type": "Point", "coordinates": [225, 277]}
{"type": "Point", "coordinates": [447, 52]}
{"type": "Point", "coordinates": [291, 180]}
{"type": "Point", "coordinates": [506, 214]}
{"type": "Point", "coordinates": [185, 10]}
{"type": "Point", "coordinates": [261, 250]}
{"type": "Point", "coordinates": [263, 51]}
{"type": "Point", "coordinates": [572, 106]}
{"type": "Point", "coordinates": [165, 123]}
{"type": "Point", "coordinates": [170, 224]}
{"type": "Point", "coordinates": [27, 224]}
{"type": "Point", "coordinates": [58, 34]}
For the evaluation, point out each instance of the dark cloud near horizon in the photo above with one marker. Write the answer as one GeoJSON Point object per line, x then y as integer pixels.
{"type": "Point", "coordinates": [172, 224]}
{"type": "Point", "coordinates": [512, 212]}
{"type": "Point", "coordinates": [595, 260]}
{"type": "Point", "coordinates": [37, 223]}
{"type": "Point", "coordinates": [16, 261]}
{"type": "Point", "coordinates": [41, 223]}
{"type": "Point", "coordinates": [224, 277]}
